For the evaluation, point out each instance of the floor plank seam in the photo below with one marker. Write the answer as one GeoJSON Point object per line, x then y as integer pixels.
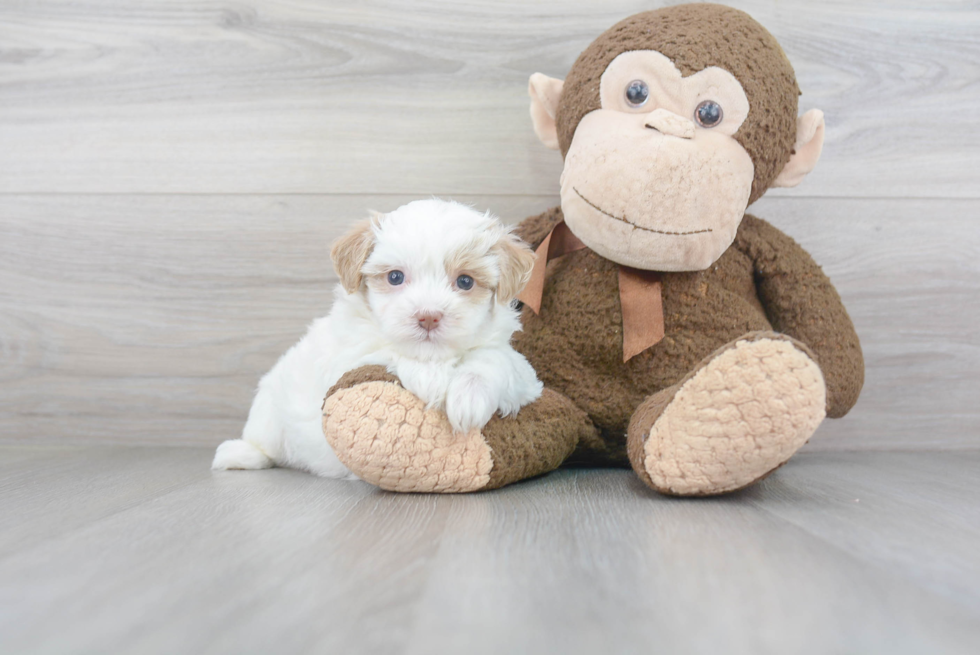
{"type": "Point", "coordinates": [5, 554]}
{"type": "Point", "coordinates": [890, 571]}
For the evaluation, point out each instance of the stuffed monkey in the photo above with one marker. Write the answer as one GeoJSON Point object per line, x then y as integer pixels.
{"type": "Point", "coordinates": [674, 333]}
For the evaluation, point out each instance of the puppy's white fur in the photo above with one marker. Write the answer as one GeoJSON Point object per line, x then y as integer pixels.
{"type": "Point", "coordinates": [464, 365]}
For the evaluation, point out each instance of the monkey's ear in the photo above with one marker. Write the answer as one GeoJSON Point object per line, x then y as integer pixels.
{"type": "Point", "coordinates": [545, 92]}
{"type": "Point", "coordinates": [809, 144]}
{"type": "Point", "coordinates": [350, 252]}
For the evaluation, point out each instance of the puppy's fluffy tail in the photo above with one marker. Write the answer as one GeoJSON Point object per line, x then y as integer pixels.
{"type": "Point", "coordinates": [239, 454]}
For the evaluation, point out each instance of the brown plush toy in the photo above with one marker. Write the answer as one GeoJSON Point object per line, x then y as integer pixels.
{"type": "Point", "coordinates": [673, 332]}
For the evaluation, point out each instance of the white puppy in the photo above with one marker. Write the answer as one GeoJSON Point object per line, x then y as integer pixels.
{"type": "Point", "coordinates": [426, 291]}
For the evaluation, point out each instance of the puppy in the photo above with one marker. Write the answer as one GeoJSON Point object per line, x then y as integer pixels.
{"type": "Point", "coordinates": [426, 291]}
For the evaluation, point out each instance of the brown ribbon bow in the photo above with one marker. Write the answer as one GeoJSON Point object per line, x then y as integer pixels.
{"type": "Point", "coordinates": [639, 292]}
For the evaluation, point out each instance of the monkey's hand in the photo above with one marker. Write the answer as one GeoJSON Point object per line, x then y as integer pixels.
{"type": "Point", "coordinates": [388, 437]}
{"type": "Point", "coordinates": [362, 375]}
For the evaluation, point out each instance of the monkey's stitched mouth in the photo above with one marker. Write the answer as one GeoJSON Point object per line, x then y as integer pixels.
{"type": "Point", "coordinates": [631, 223]}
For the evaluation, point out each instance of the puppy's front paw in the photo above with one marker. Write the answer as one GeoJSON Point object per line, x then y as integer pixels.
{"type": "Point", "coordinates": [470, 403]}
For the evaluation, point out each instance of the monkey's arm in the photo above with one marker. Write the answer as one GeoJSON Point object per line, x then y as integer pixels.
{"type": "Point", "coordinates": [801, 301]}
{"type": "Point", "coordinates": [534, 229]}
{"type": "Point", "coordinates": [368, 373]}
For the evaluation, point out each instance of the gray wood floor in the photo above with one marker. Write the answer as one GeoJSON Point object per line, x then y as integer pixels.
{"type": "Point", "coordinates": [142, 549]}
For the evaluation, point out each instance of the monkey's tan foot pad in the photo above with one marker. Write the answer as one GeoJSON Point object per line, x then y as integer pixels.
{"type": "Point", "coordinates": [732, 421]}
{"type": "Point", "coordinates": [384, 434]}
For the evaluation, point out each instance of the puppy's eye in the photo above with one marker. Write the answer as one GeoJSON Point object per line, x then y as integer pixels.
{"type": "Point", "coordinates": [708, 113]}
{"type": "Point", "coordinates": [395, 278]}
{"type": "Point", "coordinates": [637, 93]}
{"type": "Point", "coordinates": [464, 282]}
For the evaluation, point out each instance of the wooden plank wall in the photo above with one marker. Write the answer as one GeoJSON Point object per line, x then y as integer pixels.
{"type": "Point", "coordinates": [172, 172]}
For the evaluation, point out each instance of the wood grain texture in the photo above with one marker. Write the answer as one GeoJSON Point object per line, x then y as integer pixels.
{"type": "Point", "coordinates": [430, 96]}
{"type": "Point", "coordinates": [49, 491]}
{"type": "Point", "coordinates": [891, 510]}
{"type": "Point", "coordinates": [823, 557]}
{"type": "Point", "coordinates": [152, 318]}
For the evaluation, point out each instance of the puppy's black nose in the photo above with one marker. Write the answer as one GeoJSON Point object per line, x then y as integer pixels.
{"type": "Point", "coordinates": [429, 320]}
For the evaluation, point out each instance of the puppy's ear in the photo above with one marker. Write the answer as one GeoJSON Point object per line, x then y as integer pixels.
{"type": "Point", "coordinates": [516, 261]}
{"type": "Point", "coordinates": [350, 252]}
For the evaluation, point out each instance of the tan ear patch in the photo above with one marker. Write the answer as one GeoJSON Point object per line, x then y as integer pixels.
{"type": "Point", "coordinates": [350, 252]}
{"type": "Point", "coordinates": [470, 261]}
{"type": "Point", "coordinates": [516, 261]}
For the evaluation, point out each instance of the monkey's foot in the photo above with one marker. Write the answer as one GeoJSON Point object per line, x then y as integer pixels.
{"type": "Point", "coordinates": [386, 436]}
{"type": "Point", "coordinates": [736, 418]}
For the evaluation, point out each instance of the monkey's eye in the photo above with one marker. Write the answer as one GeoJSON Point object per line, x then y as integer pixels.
{"type": "Point", "coordinates": [395, 278]}
{"type": "Point", "coordinates": [708, 113]}
{"type": "Point", "coordinates": [464, 282]}
{"type": "Point", "coordinates": [637, 93]}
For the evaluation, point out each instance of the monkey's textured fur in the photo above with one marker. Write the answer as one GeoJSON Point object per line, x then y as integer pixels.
{"type": "Point", "coordinates": [764, 281]}
{"type": "Point", "coordinates": [758, 347]}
